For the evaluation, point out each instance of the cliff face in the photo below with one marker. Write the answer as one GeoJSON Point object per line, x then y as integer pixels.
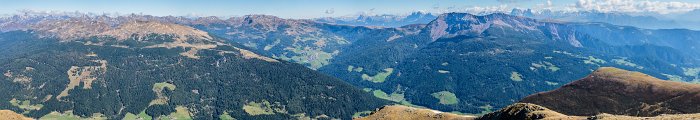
{"type": "Point", "coordinates": [616, 91]}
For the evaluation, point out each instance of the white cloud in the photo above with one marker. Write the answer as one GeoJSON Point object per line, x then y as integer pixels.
{"type": "Point", "coordinates": [512, 1]}
{"type": "Point", "coordinates": [546, 5]}
{"type": "Point", "coordinates": [635, 6]}
{"type": "Point", "coordinates": [485, 9]}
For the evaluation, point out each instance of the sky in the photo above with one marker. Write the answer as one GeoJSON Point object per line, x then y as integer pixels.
{"type": "Point", "coordinates": [334, 8]}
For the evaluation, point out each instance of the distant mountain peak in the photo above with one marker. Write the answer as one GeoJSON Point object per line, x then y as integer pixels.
{"type": "Point", "coordinates": [262, 17]}
{"type": "Point", "coordinates": [456, 14]}
{"type": "Point", "coordinates": [143, 28]}
{"type": "Point", "coordinates": [82, 28]}
{"type": "Point", "coordinates": [268, 23]}
{"type": "Point", "coordinates": [261, 20]}
{"type": "Point", "coordinates": [453, 24]}
{"type": "Point", "coordinates": [521, 12]}
{"type": "Point", "coordinates": [383, 20]}
{"type": "Point", "coordinates": [648, 21]}
{"type": "Point", "coordinates": [419, 13]}
{"type": "Point", "coordinates": [70, 29]}
{"type": "Point", "coordinates": [471, 18]}
{"type": "Point", "coordinates": [208, 20]}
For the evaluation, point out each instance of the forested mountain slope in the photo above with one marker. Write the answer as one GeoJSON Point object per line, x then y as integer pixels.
{"type": "Point", "coordinates": [474, 64]}
{"type": "Point", "coordinates": [455, 62]}
{"type": "Point", "coordinates": [82, 68]}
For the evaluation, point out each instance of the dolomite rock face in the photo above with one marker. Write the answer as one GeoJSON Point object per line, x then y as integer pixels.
{"type": "Point", "coordinates": [464, 24]}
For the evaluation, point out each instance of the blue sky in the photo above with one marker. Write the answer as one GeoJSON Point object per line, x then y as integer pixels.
{"type": "Point", "coordinates": [327, 8]}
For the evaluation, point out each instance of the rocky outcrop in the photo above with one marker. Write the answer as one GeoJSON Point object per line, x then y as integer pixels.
{"type": "Point", "coordinates": [465, 24]}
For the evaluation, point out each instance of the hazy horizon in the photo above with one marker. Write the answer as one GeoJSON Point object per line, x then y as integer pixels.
{"type": "Point", "coordinates": [318, 8]}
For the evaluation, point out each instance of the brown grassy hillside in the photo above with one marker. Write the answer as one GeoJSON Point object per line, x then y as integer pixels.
{"type": "Point", "coordinates": [10, 115]}
{"type": "Point", "coordinates": [397, 112]}
{"type": "Point", "coordinates": [517, 111]}
{"type": "Point", "coordinates": [527, 111]}
{"type": "Point", "coordinates": [620, 92]}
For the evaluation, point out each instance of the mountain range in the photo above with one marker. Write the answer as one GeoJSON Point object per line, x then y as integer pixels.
{"type": "Point", "coordinates": [624, 19]}
{"type": "Point", "coordinates": [671, 21]}
{"type": "Point", "coordinates": [606, 94]}
{"type": "Point", "coordinates": [386, 20]}
{"type": "Point", "coordinates": [265, 67]}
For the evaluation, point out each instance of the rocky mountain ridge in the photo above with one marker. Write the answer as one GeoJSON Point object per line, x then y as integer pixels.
{"type": "Point", "coordinates": [80, 28]}
{"type": "Point", "coordinates": [624, 19]}
{"type": "Point", "coordinates": [380, 20]}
